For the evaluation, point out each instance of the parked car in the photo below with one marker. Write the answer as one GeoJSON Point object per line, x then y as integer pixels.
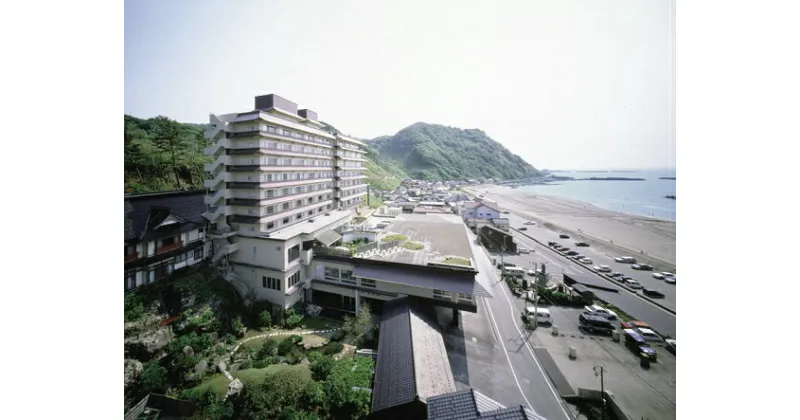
{"type": "Point", "coordinates": [653, 293]}
{"type": "Point", "coordinates": [585, 260]}
{"type": "Point", "coordinates": [524, 250]}
{"type": "Point", "coordinates": [658, 276]}
{"type": "Point", "coordinates": [572, 253]}
{"type": "Point", "coordinates": [577, 256]}
{"type": "Point", "coordinates": [616, 274]}
{"type": "Point", "coordinates": [633, 284]}
{"type": "Point", "coordinates": [581, 244]}
{"type": "Point", "coordinates": [522, 228]}
{"type": "Point", "coordinates": [499, 265]}
{"type": "Point", "coordinates": [629, 325]}
{"type": "Point", "coordinates": [669, 280]}
{"type": "Point", "coordinates": [563, 236]}
{"type": "Point", "coordinates": [603, 268]}
{"type": "Point", "coordinates": [592, 322]}
{"type": "Point", "coordinates": [625, 278]}
{"type": "Point", "coordinates": [601, 311]}
{"type": "Point", "coordinates": [648, 334]}
{"type": "Point", "coordinates": [643, 267]}
{"type": "Point", "coordinates": [506, 212]}
{"type": "Point", "coordinates": [625, 260]}
{"type": "Point", "coordinates": [552, 243]}
{"type": "Point", "coordinates": [530, 222]}
{"type": "Point", "coordinates": [563, 249]}
{"type": "Point", "coordinates": [638, 345]}
{"type": "Point", "coordinates": [670, 346]}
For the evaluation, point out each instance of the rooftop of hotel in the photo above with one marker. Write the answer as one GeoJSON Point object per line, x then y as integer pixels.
{"type": "Point", "coordinates": [316, 225]}
{"type": "Point", "coordinates": [443, 235]}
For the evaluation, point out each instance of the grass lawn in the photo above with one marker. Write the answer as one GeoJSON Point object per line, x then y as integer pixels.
{"type": "Point", "coordinates": [457, 261]}
{"type": "Point", "coordinates": [219, 383]}
{"type": "Point", "coordinates": [394, 237]}
{"type": "Point", "coordinates": [309, 323]}
{"type": "Point", "coordinates": [413, 246]}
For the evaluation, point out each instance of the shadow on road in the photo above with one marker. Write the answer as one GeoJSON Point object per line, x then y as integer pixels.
{"type": "Point", "coordinates": [456, 347]}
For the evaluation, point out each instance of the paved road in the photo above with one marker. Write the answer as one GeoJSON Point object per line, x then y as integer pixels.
{"type": "Point", "coordinates": [661, 320]}
{"type": "Point", "coordinates": [531, 380]}
{"type": "Point", "coordinates": [600, 258]}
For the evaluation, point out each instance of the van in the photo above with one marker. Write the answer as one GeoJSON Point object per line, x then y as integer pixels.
{"type": "Point", "coordinates": [514, 271]}
{"type": "Point", "coordinates": [542, 315]}
{"type": "Point", "coordinates": [638, 345]}
{"type": "Point", "coordinates": [591, 323]}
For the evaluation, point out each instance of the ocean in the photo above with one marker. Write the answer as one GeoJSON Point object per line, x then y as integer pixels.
{"type": "Point", "coordinates": [645, 198]}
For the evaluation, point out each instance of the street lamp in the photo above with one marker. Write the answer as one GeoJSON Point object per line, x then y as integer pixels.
{"type": "Point", "coordinates": [599, 370]}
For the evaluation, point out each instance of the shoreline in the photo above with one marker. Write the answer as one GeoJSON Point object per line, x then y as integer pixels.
{"type": "Point", "coordinates": [615, 232]}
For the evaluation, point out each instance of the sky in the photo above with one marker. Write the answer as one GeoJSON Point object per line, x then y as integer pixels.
{"type": "Point", "coordinates": [565, 84]}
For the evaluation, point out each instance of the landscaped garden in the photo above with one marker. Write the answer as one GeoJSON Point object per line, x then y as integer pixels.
{"type": "Point", "coordinates": [185, 335]}
{"type": "Point", "coordinates": [457, 261]}
{"type": "Point", "coordinates": [394, 237]}
{"type": "Point", "coordinates": [413, 246]}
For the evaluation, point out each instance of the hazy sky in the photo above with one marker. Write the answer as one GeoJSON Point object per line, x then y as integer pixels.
{"type": "Point", "coordinates": [563, 83]}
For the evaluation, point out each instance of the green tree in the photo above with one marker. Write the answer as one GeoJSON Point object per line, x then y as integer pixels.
{"type": "Point", "coordinates": [265, 319]}
{"type": "Point", "coordinates": [278, 392]}
{"type": "Point", "coordinates": [153, 378]}
{"type": "Point", "coordinates": [321, 367]}
{"type": "Point", "coordinates": [358, 326]}
{"type": "Point", "coordinates": [169, 138]}
{"type": "Point", "coordinates": [267, 349]}
{"type": "Point", "coordinates": [343, 388]}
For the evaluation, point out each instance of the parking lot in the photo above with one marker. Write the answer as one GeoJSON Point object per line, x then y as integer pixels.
{"type": "Point", "coordinates": [641, 393]}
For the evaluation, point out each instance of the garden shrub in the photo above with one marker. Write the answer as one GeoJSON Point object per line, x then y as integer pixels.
{"type": "Point", "coordinates": [332, 348]}
{"type": "Point", "coordinates": [267, 349]}
{"type": "Point", "coordinates": [247, 364]}
{"type": "Point", "coordinates": [296, 338]}
{"type": "Point", "coordinates": [285, 346]}
{"type": "Point", "coordinates": [265, 319]}
{"type": "Point", "coordinates": [260, 364]}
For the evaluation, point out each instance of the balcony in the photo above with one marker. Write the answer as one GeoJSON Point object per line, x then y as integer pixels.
{"type": "Point", "coordinates": [221, 233]}
{"type": "Point", "coordinates": [131, 257]}
{"type": "Point", "coordinates": [264, 131]}
{"type": "Point", "coordinates": [167, 248]}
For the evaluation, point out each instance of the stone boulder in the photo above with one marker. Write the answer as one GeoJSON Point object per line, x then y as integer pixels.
{"type": "Point", "coordinates": [188, 351]}
{"type": "Point", "coordinates": [221, 366]}
{"type": "Point", "coordinates": [133, 368]}
{"type": "Point", "coordinates": [234, 388]}
{"type": "Point", "coordinates": [201, 367]}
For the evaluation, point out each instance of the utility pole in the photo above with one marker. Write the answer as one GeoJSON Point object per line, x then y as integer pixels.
{"type": "Point", "coordinates": [535, 296]}
{"type": "Point", "coordinates": [601, 371]}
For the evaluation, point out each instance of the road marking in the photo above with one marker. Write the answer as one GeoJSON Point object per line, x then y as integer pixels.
{"type": "Point", "coordinates": [505, 352]}
{"type": "Point", "coordinates": [530, 350]}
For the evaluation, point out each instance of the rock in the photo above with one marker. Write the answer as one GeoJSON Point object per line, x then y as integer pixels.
{"type": "Point", "coordinates": [221, 366]}
{"type": "Point", "coordinates": [234, 388]}
{"type": "Point", "coordinates": [201, 367]}
{"type": "Point", "coordinates": [305, 361]}
{"type": "Point", "coordinates": [188, 351]}
{"type": "Point", "coordinates": [133, 368]}
{"type": "Point", "coordinates": [234, 367]}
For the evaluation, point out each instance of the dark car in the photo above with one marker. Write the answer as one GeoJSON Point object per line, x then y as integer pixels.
{"type": "Point", "coordinates": [624, 278]}
{"type": "Point", "coordinates": [572, 253]}
{"type": "Point", "coordinates": [581, 244]}
{"type": "Point", "coordinates": [551, 243]}
{"type": "Point", "coordinates": [563, 236]}
{"type": "Point", "coordinates": [652, 293]}
{"type": "Point", "coordinates": [564, 249]}
{"type": "Point", "coordinates": [523, 228]}
{"type": "Point", "coordinates": [642, 267]}
{"type": "Point", "coordinates": [577, 256]}
{"type": "Point", "coordinates": [499, 265]}
{"type": "Point", "coordinates": [617, 274]}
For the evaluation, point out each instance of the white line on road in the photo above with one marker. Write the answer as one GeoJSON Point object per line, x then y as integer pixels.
{"type": "Point", "coordinates": [530, 350]}
{"type": "Point", "coordinates": [505, 352]}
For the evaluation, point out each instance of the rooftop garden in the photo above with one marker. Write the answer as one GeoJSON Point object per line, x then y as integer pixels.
{"type": "Point", "coordinates": [457, 261]}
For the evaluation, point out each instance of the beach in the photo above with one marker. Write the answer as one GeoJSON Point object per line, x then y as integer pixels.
{"type": "Point", "coordinates": [612, 232]}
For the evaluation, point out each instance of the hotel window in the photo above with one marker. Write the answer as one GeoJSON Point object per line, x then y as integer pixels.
{"type": "Point", "coordinates": [270, 193]}
{"type": "Point", "coordinates": [298, 203]}
{"type": "Point", "coordinates": [270, 225]}
{"type": "Point", "coordinates": [347, 277]}
{"type": "Point", "coordinates": [465, 296]}
{"type": "Point", "coordinates": [285, 220]}
{"type": "Point", "coordinates": [368, 283]}
{"type": "Point", "coordinates": [270, 209]}
{"type": "Point", "coordinates": [299, 216]}
{"type": "Point", "coordinates": [270, 283]}
{"type": "Point", "coordinates": [294, 279]}
{"type": "Point", "coordinates": [198, 254]}
{"type": "Point", "coordinates": [294, 253]}
{"type": "Point", "coordinates": [286, 205]}
{"type": "Point", "coordinates": [441, 294]}
{"type": "Point", "coordinates": [331, 273]}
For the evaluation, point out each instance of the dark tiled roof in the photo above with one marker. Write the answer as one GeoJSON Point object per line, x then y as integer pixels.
{"type": "Point", "coordinates": [148, 210]}
{"type": "Point", "coordinates": [412, 360]}
{"type": "Point", "coordinates": [470, 404]}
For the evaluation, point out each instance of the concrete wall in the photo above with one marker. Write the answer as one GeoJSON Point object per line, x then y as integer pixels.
{"type": "Point", "coordinates": [266, 252]}
{"type": "Point", "coordinates": [593, 394]}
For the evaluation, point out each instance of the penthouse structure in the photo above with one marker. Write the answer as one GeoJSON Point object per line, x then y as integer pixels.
{"type": "Point", "coordinates": [279, 181]}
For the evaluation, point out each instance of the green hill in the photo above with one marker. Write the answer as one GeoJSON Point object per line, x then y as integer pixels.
{"type": "Point", "coordinates": [437, 152]}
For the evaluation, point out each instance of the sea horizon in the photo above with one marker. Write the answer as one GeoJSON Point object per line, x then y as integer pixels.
{"type": "Point", "coordinates": [640, 198]}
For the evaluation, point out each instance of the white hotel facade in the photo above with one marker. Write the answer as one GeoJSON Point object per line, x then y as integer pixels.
{"type": "Point", "coordinates": [279, 181]}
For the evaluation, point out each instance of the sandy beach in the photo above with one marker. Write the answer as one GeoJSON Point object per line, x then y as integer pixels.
{"type": "Point", "coordinates": [630, 234]}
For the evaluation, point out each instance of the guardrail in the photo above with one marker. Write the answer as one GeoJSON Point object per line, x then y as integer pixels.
{"type": "Point", "coordinates": [601, 275]}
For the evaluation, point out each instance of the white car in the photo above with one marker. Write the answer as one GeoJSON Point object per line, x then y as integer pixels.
{"type": "Point", "coordinates": [669, 280]}
{"type": "Point", "coordinates": [530, 222]}
{"type": "Point", "coordinates": [603, 268]}
{"type": "Point", "coordinates": [585, 260]}
{"type": "Point", "coordinates": [648, 334]}
{"type": "Point", "coordinates": [601, 311]}
{"type": "Point", "coordinates": [633, 284]}
{"type": "Point", "coordinates": [524, 251]}
{"type": "Point", "coordinates": [662, 275]}
{"type": "Point", "coordinates": [625, 260]}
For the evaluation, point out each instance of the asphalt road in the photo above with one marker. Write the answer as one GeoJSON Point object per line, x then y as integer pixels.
{"type": "Point", "coordinates": [661, 320]}
{"type": "Point", "coordinates": [599, 258]}
{"type": "Point", "coordinates": [532, 382]}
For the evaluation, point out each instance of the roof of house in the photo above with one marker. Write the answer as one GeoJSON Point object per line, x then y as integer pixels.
{"type": "Point", "coordinates": [412, 360]}
{"type": "Point", "coordinates": [145, 212]}
{"type": "Point", "coordinates": [470, 404]}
